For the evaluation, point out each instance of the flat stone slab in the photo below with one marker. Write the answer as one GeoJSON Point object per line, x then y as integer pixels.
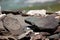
{"type": "Point", "coordinates": [48, 22]}
{"type": "Point", "coordinates": [13, 25]}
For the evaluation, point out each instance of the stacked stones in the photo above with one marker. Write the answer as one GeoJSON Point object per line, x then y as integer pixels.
{"type": "Point", "coordinates": [37, 27]}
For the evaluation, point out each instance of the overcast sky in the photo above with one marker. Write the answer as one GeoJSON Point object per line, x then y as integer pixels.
{"type": "Point", "coordinates": [40, 1]}
{"type": "Point", "coordinates": [31, 1]}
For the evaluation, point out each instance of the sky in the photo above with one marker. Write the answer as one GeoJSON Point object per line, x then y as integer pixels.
{"type": "Point", "coordinates": [33, 1]}
{"type": "Point", "coordinates": [40, 1]}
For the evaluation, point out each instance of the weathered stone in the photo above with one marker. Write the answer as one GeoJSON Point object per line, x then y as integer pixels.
{"type": "Point", "coordinates": [44, 33]}
{"type": "Point", "coordinates": [20, 19]}
{"type": "Point", "coordinates": [24, 34]}
{"type": "Point", "coordinates": [57, 30]}
{"type": "Point", "coordinates": [7, 37]}
{"type": "Point", "coordinates": [55, 36]}
{"type": "Point", "coordinates": [2, 16]}
{"type": "Point", "coordinates": [1, 26]}
{"type": "Point", "coordinates": [41, 33]}
{"type": "Point", "coordinates": [12, 25]}
{"type": "Point", "coordinates": [48, 22]}
{"type": "Point", "coordinates": [38, 37]}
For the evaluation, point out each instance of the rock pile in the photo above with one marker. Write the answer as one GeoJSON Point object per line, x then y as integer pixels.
{"type": "Point", "coordinates": [17, 27]}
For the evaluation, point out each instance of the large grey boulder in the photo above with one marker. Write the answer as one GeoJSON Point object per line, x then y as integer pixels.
{"type": "Point", "coordinates": [12, 25]}
{"type": "Point", "coordinates": [48, 22]}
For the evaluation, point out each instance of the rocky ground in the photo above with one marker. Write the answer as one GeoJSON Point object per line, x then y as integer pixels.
{"type": "Point", "coordinates": [18, 27]}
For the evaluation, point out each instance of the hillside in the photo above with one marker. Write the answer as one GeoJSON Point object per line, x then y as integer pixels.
{"type": "Point", "coordinates": [54, 7]}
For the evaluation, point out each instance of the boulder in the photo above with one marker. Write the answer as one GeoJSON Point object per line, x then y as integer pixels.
{"type": "Point", "coordinates": [48, 22]}
{"type": "Point", "coordinates": [1, 26]}
{"type": "Point", "coordinates": [55, 36]}
{"type": "Point", "coordinates": [58, 12]}
{"type": "Point", "coordinates": [12, 25]}
{"type": "Point", "coordinates": [1, 23]}
{"type": "Point", "coordinates": [37, 12]}
{"type": "Point", "coordinates": [20, 19]}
